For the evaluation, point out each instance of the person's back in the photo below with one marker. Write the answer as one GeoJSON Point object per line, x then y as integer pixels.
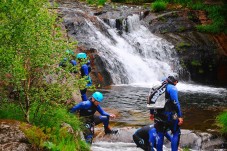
{"type": "Point", "coordinates": [141, 137]}
{"type": "Point", "coordinates": [170, 117]}
{"type": "Point", "coordinates": [85, 69]}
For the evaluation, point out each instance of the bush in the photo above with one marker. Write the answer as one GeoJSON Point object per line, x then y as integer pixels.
{"type": "Point", "coordinates": [158, 6]}
{"type": "Point", "coordinates": [32, 87]}
{"type": "Point", "coordinates": [96, 2]}
{"type": "Point", "coordinates": [221, 121]}
{"type": "Point", "coordinates": [55, 133]}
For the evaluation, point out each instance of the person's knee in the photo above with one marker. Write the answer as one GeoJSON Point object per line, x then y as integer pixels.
{"type": "Point", "coordinates": [104, 118]}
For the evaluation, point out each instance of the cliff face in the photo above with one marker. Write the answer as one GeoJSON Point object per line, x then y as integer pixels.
{"type": "Point", "coordinates": [203, 55]}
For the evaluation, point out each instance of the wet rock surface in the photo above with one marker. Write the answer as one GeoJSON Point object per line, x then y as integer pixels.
{"type": "Point", "coordinates": [189, 139]}
{"type": "Point", "coordinates": [12, 138]}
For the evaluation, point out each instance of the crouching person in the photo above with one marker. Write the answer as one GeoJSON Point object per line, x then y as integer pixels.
{"type": "Point", "coordinates": [87, 110]}
{"type": "Point", "coordinates": [145, 137]}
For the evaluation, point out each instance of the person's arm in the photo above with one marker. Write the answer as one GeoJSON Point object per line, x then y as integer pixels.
{"type": "Point", "coordinates": [101, 111]}
{"type": "Point", "coordinates": [84, 70]}
{"type": "Point", "coordinates": [73, 62]}
{"type": "Point", "coordinates": [152, 114]}
{"type": "Point", "coordinates": [174, 97]}
{"type": "Point", "coordinates": [81, 105]}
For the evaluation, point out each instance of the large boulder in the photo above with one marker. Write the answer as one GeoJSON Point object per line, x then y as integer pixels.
{"type": "Point", "coordinates": [12, 138]}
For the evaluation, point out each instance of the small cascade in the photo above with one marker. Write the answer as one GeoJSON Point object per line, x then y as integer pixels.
{"type": "Point", "coordinates": [131, 53]}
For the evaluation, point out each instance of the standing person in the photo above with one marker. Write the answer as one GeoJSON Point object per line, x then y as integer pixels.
{"type": "Point", "coordinates": [145, 137]}
{"type": "Point", "coordinates": [87, 110]}
{"type": "Point", "coordinates": [170, 117]}
{"type": "Point", "coordinates": [85, 69]}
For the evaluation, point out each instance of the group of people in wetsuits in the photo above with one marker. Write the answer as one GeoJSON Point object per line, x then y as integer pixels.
{"type": "Point", "coordinates": [149, 137]}
{"type": "Point", "coordinates": [88, 106]}
{"type": "Point", "coordinates": [83, 62]}
{"type": "Point", "coordinates": [167, 119]}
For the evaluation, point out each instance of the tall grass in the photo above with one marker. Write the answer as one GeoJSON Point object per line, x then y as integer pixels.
{"type": "Point", "coordinates": [221, 121]}
{"type": "Point", "coordinates": [217, 13]}
{"type": "Point", "coordinates": [9, 110]}
{"type": "Point", "coordinates": [158, 6]}
{"type": "Point", "coordinates": [96, 2]}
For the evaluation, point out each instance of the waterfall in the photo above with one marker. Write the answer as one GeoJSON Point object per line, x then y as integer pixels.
{"type": "Point", "coordinates": [132, 55]}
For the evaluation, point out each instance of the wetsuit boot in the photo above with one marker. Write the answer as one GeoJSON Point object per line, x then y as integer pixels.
{"type": "Point", "coordinates": [110, 131]}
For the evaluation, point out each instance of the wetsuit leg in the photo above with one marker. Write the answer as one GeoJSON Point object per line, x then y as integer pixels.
{"type": "Point", "coordinates": [175, 140]}
{"type": "Point", "coordinates": [83, 94]}
{"type": "Point", "coordinates": [101, 119]}
{"type": "Point", "coordinates": [140, 142]}
{"type": "Point", "coordinates": [159, 141]}
{"type": "Point", "coordinates": [152, 139]}
{"type": "Point", "coordinates": [88, 132]}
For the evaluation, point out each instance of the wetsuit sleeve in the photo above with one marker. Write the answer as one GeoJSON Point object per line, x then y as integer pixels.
{"type": "Point", "coordinates": [73, 62]}
{"type": "Point", "coordinates": [84, 70]}
{"type": "Point", "coordinates": [101, 111]}
{"type": "Point", "coordinates": [173, 92]}
{"type": "Point", "coordinates": [81, 105]}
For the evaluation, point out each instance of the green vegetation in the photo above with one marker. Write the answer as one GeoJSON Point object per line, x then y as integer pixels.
{"type": "Point", "coordinates": [195, 63]}
{"type": "Point", "coordinates": [186, 149]}
{"type": "Point", "coordinates": [158, 6]}
{"type": "Point", "coordinates": [221, 121]}
{"type": "Point", "coordinates": [182, 45]}
{"type": "Point", "coordinates": [96, 2]}
{"type": "Point", "coordinates": [33, 87]}
{"type": "Point", "coordinates": [132, 1]}
{"type": "Point", "coordinates": [217, 13]}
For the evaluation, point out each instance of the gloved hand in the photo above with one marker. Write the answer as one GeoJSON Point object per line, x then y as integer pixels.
{"type": "Point", "coordinates": [152, 117]}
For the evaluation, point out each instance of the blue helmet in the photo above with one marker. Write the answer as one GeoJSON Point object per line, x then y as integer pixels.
{"type": "Point", "coordinates": [97, 96]}
{"type": "Point", "coordinates": [81, 56]}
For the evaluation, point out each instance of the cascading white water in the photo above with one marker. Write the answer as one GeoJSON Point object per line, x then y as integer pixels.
{"type": "Point", "coordinates": [136, 56]}
{"type": "Point", "coordinates": [133, 57]}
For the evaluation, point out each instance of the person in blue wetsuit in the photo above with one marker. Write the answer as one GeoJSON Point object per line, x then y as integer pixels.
{"type": "Point", "coordinates": [85, 69]}
{"type": "Point", "coordinates": [170, 117]}
{"type": "Point", "coordinates": [71, 59]}
{"type": "Point", "coordinates": [145, 137]}
{"type": "Point", "coordinates": [87, 110]}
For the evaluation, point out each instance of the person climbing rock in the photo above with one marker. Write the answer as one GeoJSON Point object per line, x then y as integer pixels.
{"type": "Point", "coordinates": [87, 110]}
